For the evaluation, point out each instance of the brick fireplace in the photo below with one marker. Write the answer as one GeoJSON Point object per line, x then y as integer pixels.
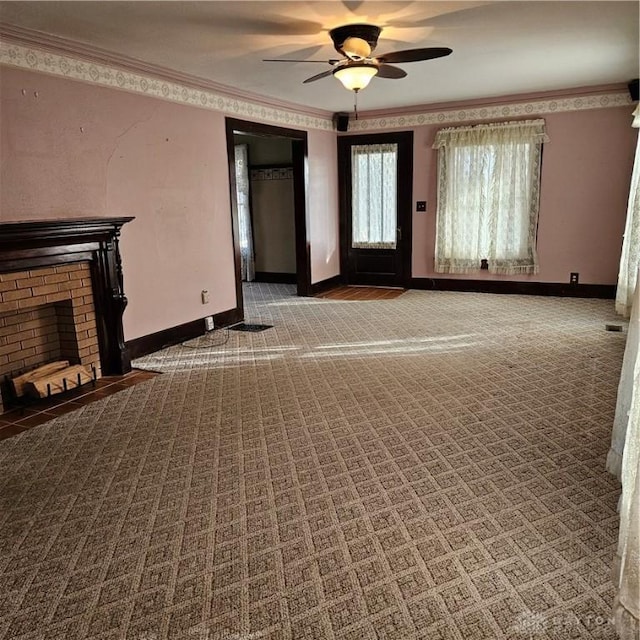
{"type": "Point", "coordinates": [61, 296]}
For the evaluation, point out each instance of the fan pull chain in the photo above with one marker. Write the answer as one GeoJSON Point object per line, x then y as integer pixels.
{"type": "Point", "coordinates": [355, 103]}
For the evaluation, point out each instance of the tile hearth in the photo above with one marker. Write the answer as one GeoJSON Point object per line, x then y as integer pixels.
{"type": "Point", "coordinates": [17, 420]}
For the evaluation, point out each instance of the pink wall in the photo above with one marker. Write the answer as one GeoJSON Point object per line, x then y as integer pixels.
{"type": "Point", "coordinates": [322, 203]}
{"type": "Point", "coordinates": [82, 150]}
{"type": "Point", "coordinates": [164, 163]}
{"type": "Point", "coordinates": [586, 171]}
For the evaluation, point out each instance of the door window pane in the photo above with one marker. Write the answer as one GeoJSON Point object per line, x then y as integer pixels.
{"type": "Point", "coordinates": [374, 214]}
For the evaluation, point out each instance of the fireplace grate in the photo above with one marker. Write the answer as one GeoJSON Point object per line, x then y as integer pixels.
{"type": "Point", "coordinates": [42, 383]}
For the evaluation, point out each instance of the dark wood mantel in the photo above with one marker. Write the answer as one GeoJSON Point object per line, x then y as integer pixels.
{"type": "Point", "coordinates": [31, 244]}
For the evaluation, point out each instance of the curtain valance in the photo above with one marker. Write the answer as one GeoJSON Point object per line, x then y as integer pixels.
{"type": "Point", "coordinates": [525, 131]}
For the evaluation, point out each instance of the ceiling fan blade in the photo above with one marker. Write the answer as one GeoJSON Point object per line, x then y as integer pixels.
{"type": "Point", "coordinates": [289, 60]}
{"type": "Point", "coordinates": [388, 71]}
{"type": "Point", "coordinates": [414, 55]}
{"type": "Point", "coordinates": [318, 76]}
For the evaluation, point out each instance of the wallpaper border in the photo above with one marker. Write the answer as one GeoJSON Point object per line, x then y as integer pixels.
{"type": "Point", "coordinates": [534, 107]}
{"type": "Point", "coordinates": [100, 74]}
{"type": "Point", "coordinates": [32, 59]}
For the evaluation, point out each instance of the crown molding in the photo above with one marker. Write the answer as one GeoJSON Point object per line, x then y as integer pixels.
{"type": "Point", "coordinates": [55, 56]}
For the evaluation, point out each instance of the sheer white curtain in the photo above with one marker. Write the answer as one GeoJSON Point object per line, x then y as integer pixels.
{"type": "Point", "coordinates": [488, 194]}
{"type": "Point", "coordinates": [626, 571]}
{"type": "Point", "coordinates": [244, 212]}
{"type": "Point", "coordinates": [630, 258]}
{"type": "Point", "coordinates": [624, 456]}
{"type": "Point", "coordinates": [373, 198]}
{"type": "Point", "coordinates": [626, 390]}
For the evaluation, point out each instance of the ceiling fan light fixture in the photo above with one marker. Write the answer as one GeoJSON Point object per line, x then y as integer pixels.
{"type": "Point", "coordinates": [356, 48]}
{"type": "Point", "coordinates": [355, 76]}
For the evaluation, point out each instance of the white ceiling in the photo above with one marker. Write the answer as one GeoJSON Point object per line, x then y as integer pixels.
{"type": "Point", "coordinates": [499, 48]}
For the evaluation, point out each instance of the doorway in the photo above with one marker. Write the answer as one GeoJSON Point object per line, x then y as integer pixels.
{"type": "Point", "coordinates": [269, 222]}
{"type": "Point", "coordinates": [375, 182]}
{"type": "Point", "coordinates": [266, 215]}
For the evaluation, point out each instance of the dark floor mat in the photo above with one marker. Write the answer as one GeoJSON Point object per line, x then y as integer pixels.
{"type": "Point", "coordinates": [254, 328]}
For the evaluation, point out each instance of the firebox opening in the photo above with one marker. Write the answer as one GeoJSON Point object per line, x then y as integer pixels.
{"type": "Point", "coordinates": [53, 319]}
{"type": "Point", "coordinates": [32, 338]}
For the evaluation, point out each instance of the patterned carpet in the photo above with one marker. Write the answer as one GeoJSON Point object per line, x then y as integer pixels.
{"type": "Point", "coordinates": [426, 467]}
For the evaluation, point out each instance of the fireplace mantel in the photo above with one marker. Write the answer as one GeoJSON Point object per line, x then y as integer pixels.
{"type": "Point", "coordinates": [32, 244]}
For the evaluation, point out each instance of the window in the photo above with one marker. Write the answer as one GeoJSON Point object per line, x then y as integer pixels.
{"type": "Point", "coordinates": [488, 192]}
{"type": "Point", "coordinates": [374, 214]}
{"type": "Point", "coordinates": [247, 264]}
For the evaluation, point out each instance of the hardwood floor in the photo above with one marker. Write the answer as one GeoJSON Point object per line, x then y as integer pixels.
{"type": "Point", "coordinates": [346, 292]}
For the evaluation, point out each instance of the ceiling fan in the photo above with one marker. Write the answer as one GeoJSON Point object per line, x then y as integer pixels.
{"type": "Point", "coordinates": [356, 42]}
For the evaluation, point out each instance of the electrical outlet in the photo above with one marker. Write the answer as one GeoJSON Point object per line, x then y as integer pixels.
{"type": "Point", "coordinates": [204, 294]}
{"type": "Point", "coordinates": [574, 277]}
{"type": "Point", "coordinates": [208, 323]}
{"type": "Point", "coordinates": [421, 205]}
